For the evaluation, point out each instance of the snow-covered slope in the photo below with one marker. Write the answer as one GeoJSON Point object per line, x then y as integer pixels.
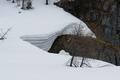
{"type": "Point", "coordinates": [40, 23]}
{"type": "Point", "coordinates": [41, 20]}
{"type": "Point", "coordinates": [20, 60]}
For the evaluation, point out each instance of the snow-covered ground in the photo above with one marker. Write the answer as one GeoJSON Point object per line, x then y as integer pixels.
{"type": "Point", "coordinates": [19, 60]}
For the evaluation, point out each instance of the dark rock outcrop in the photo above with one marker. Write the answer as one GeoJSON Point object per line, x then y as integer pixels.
{"type": "Point", "coordinates": [87, 47]}
{"type": "Point", "coordinates": [101, 16]}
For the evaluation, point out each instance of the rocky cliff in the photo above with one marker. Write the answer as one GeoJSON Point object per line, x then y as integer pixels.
{"type": "Point", "coordinates": [102, 16]}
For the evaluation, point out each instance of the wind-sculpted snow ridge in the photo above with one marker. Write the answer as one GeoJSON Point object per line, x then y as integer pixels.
{"type": "Point", "coordinates": [45, 41]}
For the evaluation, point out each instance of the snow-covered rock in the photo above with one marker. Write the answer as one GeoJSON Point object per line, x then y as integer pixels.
{"type": "Point", "coordinates": [20, 60]}
{"type": "Point", "coordinates": [45, 41]}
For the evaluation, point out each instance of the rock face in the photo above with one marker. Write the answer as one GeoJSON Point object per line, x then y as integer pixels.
{"type": "Point", "coordinates": [87, 47]}
{"type": "Point", "coordinates": [102, 16]}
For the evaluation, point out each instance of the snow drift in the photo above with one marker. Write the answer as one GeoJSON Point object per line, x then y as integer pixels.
{"type": "Point", "coordinates": [45, 41]}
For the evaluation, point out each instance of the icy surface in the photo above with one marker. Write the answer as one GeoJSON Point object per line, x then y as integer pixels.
{"type": "Point", "coordinates": [20, 60]}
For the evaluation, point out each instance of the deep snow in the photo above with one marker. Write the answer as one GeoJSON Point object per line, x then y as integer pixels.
{"type": "Point", "coordinates": [20, 60]}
